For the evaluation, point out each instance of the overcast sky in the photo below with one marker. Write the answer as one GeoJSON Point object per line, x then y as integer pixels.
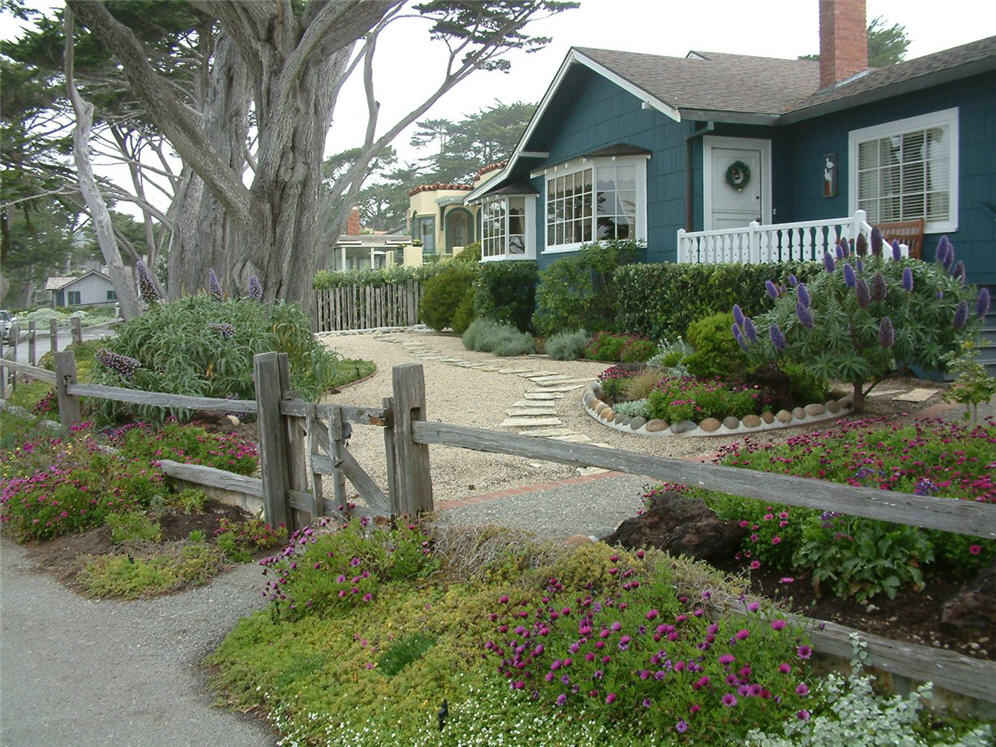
{"type": "Point", "coordinates": [408, 63]}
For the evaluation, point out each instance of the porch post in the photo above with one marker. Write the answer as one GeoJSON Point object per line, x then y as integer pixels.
{"type": "Point", "coordinates": [681, 246]}
{"type": "Point", "coordinates": [755, 242]}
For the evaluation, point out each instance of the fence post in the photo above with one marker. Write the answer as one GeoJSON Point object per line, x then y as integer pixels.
{"type": "Point", "coordinates": [32, 333]}
{"type": "Point", "coordinates": [297, 447]}
{"type": "Point", "coordinates": [412, 477]}
{"type": "Point", "coordinates": [3, 372]}
{"type": "Point", "coordinates": [682, 251]}
{"type": "Point", "coordinates": [77, 330]}
{"type": "Point", "coordinates": [272, 441]}
{"type": "Point", "coordinates": [755, 242]}
{"type": "Point", "coordinates": [15, 335]}
{"type": "Point", "coordinates": [53, 335]}
{"type": "Point", "coordinates": [392, 470]}
{"type": "Point", "coordinates": [65, 376]}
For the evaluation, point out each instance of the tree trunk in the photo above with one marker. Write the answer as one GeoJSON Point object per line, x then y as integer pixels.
{"type": "Point", "coordinates": [858, 396]}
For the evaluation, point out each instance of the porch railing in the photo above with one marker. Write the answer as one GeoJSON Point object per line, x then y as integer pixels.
{"type": "Point", "coordinates": [776, 242]}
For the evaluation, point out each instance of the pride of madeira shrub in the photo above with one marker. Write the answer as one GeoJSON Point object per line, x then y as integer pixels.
{"type": "Point", "coordinates": [203, 345]}
{"type": "Point", "coordinates": [866, 315]}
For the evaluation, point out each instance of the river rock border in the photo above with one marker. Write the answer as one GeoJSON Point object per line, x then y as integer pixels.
{"type": "Point", "coordinates": [730, 426]}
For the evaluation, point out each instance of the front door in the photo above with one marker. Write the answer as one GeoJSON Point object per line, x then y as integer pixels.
{"type": "Point", "coordinates": [737, 182]}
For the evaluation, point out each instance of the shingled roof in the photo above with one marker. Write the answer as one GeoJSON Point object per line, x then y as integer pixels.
{"type": "Point", "coordinates": [772, 89]}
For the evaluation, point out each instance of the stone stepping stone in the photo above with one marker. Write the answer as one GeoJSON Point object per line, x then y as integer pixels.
{"type": "Point", "coordinates": [538, 374]}
{"type": "Point", "coordinates": [574, 438]}
{"type": "Point", "coordinates": [585, 471]}
{"type": "Point", "coordinates": [558, 388]}
{"type": "Point", "coordinates": [513, 370]}
{"type": "Point", "coordinates": [884, 392]}
{"type": "Point", "coordinates": [542, 396]}
{"type": "Point", "coordinates": [559, 378]}
{"type": "Point", "coordinates": [916, 395]}
{"type": "Point", "coordinates": [547, 432]}
{"type": "Point", "coordinates": [531, 412]}
{"type": "Point", "coordinates": [527, 422]}
{"type": "Point", "coordinates": [452, 360]}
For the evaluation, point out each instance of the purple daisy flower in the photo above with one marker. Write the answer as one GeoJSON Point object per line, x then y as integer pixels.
{"type": "Point", "coordinates": [681, 727]}
{"type": "Point", "coordinates": [804, 652]}
{"type": "Point", "coordinates": [729, 700]}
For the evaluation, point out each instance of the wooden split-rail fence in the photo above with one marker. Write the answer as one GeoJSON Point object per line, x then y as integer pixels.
{"type": "Point", "coordinates": [33, 336]}
{"type": "Point", "coordinates": [302, 443]}
{"type": "Point", "coordinates": [368, 306]}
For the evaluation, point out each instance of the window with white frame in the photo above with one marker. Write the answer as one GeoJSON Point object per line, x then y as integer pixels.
{"type": "Point", "coordinates": [503, 227]}
{"type": "Point", "coordinates": [595, 199]}
{"type": "Point", "coordinates": [907, 169]}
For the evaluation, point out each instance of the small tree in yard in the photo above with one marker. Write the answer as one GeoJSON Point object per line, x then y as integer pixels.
{"type": "Point", "coordinates": [867, 316]}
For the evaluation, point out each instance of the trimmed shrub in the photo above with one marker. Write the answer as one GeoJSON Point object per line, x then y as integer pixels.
{"type": "Point", "coordinates": [567, 346]}
{"type": "Point", "coordinates": [716, 352]}
{"type": "Point", "coordinates": [471, 254]}
{"type": "Point", "coordinates": [609, 347]}
{"type": "Point", "coordinates": [659, 301]}
{"type": "Point", "coordinates": [326, 280]}
{"type": "Point", "coordinates": [463, 315]}
{"type": "Point", "coordinates": [444, 292]}
{"type": "Point", "coordinates": [506, 292]}
{"type": "Point", "coordinates": [580, 288]}
{"type": "Point", "coordinates": [487, 336]}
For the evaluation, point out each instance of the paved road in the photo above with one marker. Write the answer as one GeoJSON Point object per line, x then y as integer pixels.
{"type": "Point", "coordinates": [43, 342]}
{"type": "Point", "coordinates": [75, 671]}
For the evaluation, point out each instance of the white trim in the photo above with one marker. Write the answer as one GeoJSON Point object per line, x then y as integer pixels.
{"type": "Point", "coordinates": [947, 118]}
{"type": "Point", "coordinates": [713, 141]}
{"type": "Point", "coordinates": [529, 226]}
{"type": "Point", "coordinates": [577, 163]}
{"type": "Point", "coordinates": [573, 56]}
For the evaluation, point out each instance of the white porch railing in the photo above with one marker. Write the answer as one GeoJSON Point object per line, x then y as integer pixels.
{"type": "Point", "coordinates": [777, 242]}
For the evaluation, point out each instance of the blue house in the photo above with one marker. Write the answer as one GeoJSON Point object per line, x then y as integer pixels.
{"type": "Point", "coordinates": [723, 157]}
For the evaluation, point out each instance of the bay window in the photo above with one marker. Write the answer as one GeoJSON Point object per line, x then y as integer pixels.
{"type": "Point", "coordinates": [504, 227]}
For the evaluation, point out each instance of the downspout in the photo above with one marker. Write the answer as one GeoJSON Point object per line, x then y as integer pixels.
{"type": "Point", "coordinates": [689, 182]}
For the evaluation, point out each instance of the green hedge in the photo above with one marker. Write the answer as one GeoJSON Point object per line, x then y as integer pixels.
{"type": "Point", "coordinates": [506, 292]}
{"type": "Point", "coordinates": [326, 280]}
{"type": "Point", "coordinates": [659, 301]}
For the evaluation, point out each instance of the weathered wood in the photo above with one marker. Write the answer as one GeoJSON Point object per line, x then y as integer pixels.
{"type": "Point", "coordinates": [77, 325]}
{"type": "Point", "coordinates": [225, 487]}
{"type": "Point", "coordinates": [15, 335]}
{"type": "Point", "coordinates": [34, 372]}
{"type": "Point", "coordinates": [413, 479]}
{"type": "Point", "coordinates": [3, 371]}
{"type": "Point", "coordinates": [363, 483]}
{"type": "Point", "coordinates": [392, 478]}
{"type": "Point", "coordinates": [362, 415]}
{"type": "Point", "coordinates": [32, 334]}
{"type": "Point", "coordinates": [311, 423]}
{"type": "Point", "coordinates": [53, 335]}
{"type": "Point", "coordinates": [161, 399]}
{"type": "Point", "coordinates": [963, 517]}
{"type": "Point", "coordinates": [65, 378]}
{"type": "Point", "coordinates": [272, 441]}
{"type": "Point", "coordinates": [947, 669]}
{"type": "Point", "coordinates": [336, 449]}
{"type": "Point", "coordinates": [297, 450]}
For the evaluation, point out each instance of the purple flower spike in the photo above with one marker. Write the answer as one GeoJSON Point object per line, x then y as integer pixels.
{"type": "Point", "coordinates": [958, 271]}
{"type": "Point", "coordinates": [750, 331]}
{"type": "Point", "coordinates": [146, 287]}
{"type": "Point", "coordinates": [908, 279]}
{"type": "Point", "coordinates": [802, 293]}
{"type": "Point", "coordinates": [897, 253]}
{"type": "Point", "coordinates": [828, 264]}
{"type": "Point", "coordinates": [879, 288]}
{"type": "Point", "coordinates": [945, 252]}
{"type": "Point", "coordinates": [982, 303]}
{"type": "Point", "coordinates": [777, 338]}
{"type": "Point", "coordinates": [859, 266]}
{"type": "Point", "coordinates": [214, 287]}
{"type": "Point", "coordinates": [772, 289]}
{"type": "Point", "coordinates": [793, 281]}
{"type": "Point", "coordinates": [861, 245]}
{"type": "Point", "coordinates": [255, 288]}
{"type": "Point", "coordinates": [849, 277]}
{"type": "Point", "coordinates": [876, 242]}
{"type": "Point", "coordinates": [738, 336]}
{"type": "Point", "coordinates": [738, 315]}
{"type": "Point", "coordinates": [840, 251]}
{"type": "Point", "coordinates": [886, 333]}
{"type": "Point", "coordinates": [961, 315]}
{"type": "Point", "coordinates": [226, 329]}
{"type": "Point", "coordinates": [116, 362]}
{"type": "Point", "coordinates": [863, 293]}
{"type": "Point", "coordinates": [805, 315]}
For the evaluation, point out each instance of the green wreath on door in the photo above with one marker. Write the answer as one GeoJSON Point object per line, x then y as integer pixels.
{"type": "Point", "coordinates": [738, 175]}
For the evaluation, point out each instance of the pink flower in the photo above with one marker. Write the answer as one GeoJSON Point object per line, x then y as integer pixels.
{"type": "Point", "coordinates": [777, 624]}
{"type": "Point", "coordinates": [974, 549]}
{"type": "Point", "coordinates": [776, 539]}
{"type": "Point", "coordinates": [802, 689]}
{"type": "Point", "coordinates": [804, 652]}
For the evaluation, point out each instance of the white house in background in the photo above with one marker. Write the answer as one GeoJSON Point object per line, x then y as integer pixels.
{"type": "Point", "coordinates": [88, 289]}
{"type": "Point", "coordinates": [355, 250]}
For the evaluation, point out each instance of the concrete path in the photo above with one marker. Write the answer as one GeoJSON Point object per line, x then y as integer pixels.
{"type": "Point", "coordinates": [81, 672]}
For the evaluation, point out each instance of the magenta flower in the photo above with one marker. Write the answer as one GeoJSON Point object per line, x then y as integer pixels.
{"type": "Point", "coordinates": [729, 700]}
{"type": "Point", "coordinates": [804, 652]}
{"type": "Point", "coordinates": [784, 668]}
{"type": "Point", "coordinates": [742, 634]}
{"type": "Point", "coordinates": [610, 698]}
{"type": "Point", "coordinates": [802, 715]}
{"type": "Point", "coordinates": [727, 659]}
{"type": "Point", "coordinates": [777, 624]}
{"type": "Point", "coordinates": [802, 689]}
{"type": "Point", "coordinates": [681, 727]}
{"type": "Point", "coordinates": [974, 549]}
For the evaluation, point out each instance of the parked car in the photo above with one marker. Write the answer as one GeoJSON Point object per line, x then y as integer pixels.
{"type": "Point", "coordinates": [6, 320]}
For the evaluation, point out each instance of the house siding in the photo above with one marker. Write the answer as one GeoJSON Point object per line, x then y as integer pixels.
{"type": "Point", "coordinates": [92, 289]}
{"type": "Point", "coordinates": [799, 150]}
{"type": "Point", "coordinates": [602, 114]}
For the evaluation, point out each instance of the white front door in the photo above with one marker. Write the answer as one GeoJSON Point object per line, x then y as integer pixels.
{"type": "Point", "coordinates": [736, 182]}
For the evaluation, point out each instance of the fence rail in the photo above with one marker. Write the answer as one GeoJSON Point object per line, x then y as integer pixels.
{"type": "Point", "coordinates": [367, 307]}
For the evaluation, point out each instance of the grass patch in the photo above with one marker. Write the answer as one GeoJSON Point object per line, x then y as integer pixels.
{"type": "Point", "coordinates": [349, 370]}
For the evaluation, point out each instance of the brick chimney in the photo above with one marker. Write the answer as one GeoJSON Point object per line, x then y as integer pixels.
{"type": "Point", "coordinates": [353, 223]}
{"type": "Point", "coordinates": [843, 40]}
